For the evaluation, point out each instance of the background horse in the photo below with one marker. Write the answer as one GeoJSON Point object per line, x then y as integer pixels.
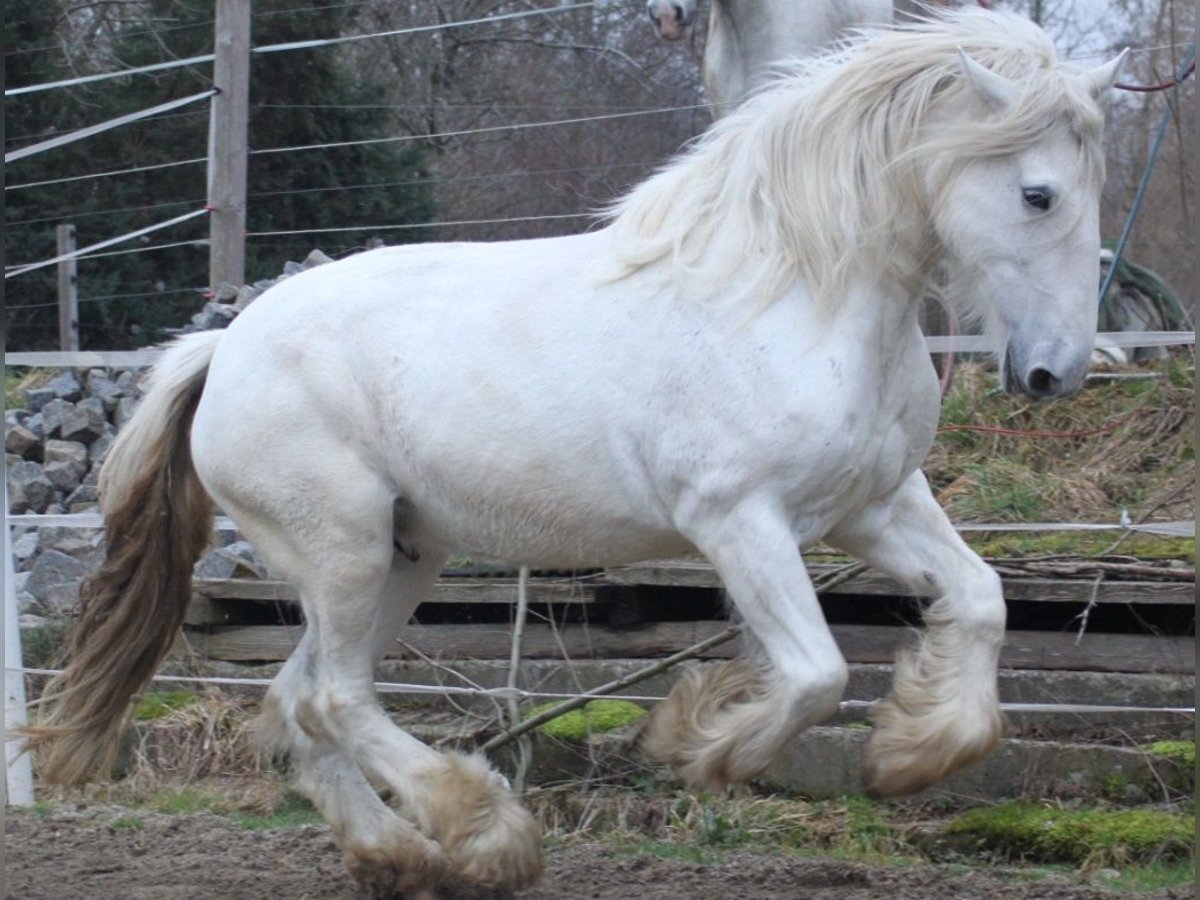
{"type": "Point", "coordinates": [731, 365]}
{"type": "Point", "coordinates": [747, 37]}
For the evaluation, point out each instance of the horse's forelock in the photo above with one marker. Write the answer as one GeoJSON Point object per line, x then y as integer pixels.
{"type": "Point", "coordinates": [810, 176]}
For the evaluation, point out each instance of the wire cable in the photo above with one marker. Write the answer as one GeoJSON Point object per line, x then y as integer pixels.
{"type": "Point", "coordinates": [91, 130]}
{"type": "Point", "coordinates": [290, 45]}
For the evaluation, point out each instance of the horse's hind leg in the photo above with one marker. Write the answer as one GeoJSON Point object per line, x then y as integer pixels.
{"type": "Point", "coordinates": [943, 713]}
{"type": "Point", "coordinates": [456, 814]}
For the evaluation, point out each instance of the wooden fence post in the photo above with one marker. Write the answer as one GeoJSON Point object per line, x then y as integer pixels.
{"type": "Point", "coordinates": [228, 144]}
{"type": "Point", "coordinates": [68, 290]}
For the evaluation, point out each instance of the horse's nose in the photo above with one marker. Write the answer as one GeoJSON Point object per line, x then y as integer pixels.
{"type": "Point", "coordinates": [1042, 383]}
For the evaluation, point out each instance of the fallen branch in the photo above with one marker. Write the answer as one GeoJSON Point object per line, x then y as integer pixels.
{"type": "Point", "coordinates": [835, 578]}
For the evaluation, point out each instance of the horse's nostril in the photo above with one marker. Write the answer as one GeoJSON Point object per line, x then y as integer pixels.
{"type": "Point", "coordinates": [678, 12]}
{"type": "Point", "coordinates": [1042, 383]}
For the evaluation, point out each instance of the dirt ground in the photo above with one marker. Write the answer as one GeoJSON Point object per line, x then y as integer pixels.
{"type": "Point", "coordinates": [104, 853]}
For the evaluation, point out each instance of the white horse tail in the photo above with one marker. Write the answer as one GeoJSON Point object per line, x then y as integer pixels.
{"type": "Point", "coordinates": [159, 519]}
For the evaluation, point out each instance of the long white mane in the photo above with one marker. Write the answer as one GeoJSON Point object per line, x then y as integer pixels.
{"type": "Point", "coordinates": [822, 175]}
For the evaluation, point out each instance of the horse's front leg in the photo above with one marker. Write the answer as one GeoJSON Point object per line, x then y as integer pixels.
{"type": "Point", "coordinates": [943, 712]}
{"type": "Point", "coordinates": [726, 723]}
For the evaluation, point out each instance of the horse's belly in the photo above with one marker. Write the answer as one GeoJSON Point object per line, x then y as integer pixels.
{"type": "Point", "coordinates": [545, 531]}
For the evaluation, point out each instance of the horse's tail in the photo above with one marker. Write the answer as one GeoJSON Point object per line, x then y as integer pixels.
{"type": "Point", "coordinates": [159, 520]}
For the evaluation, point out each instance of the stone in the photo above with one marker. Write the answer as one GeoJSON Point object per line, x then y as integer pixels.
{"type": "Point", "coordinates": [101, 386]}
{"type": "Point", "coordinates": [66, 464]}
{"type": "Point", "coordinates": [53, 414]}
{"type": "Point", "coordinates": [37, 424]}
{"type": "Point", "coordinates": [316, 258]}
{"type": "Point", "coordinates": [36, 398]}
{"type": "Point", "coordinates": [65, 386]}
{"type": "Point", "coordinates": [24, 443]}
{"type": "Point", "coordinates": [127, 380]}
{"type": "Point", "coordinates": [85, 498]}
{"type": "Point", "coordinates": [213, 316]}
{"type": "Point", "coordinates": [25, 547]}
{"type": "Point", "coordinates": [53, 570]}
{"type": "Point", "coordinates": [86, 422]}
{"type": "Point", "coordinates": [124, 410]}
{"type": "Point", "coordinates": [99, 448]}
{"type": "Point", "coordinates": [29, 490]}
{"type": "Point", "coordinates": [292, 268]}
{"type": "Point", "coordinates": [237, 560]}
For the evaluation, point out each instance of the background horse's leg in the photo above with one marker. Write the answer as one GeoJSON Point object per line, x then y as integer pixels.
{"type": "Point", "coordinates": [357, 591]}
{"type": "Point", "coordinates": [943, 713]}
{"type": "Point", "coordinates": [726, 723]}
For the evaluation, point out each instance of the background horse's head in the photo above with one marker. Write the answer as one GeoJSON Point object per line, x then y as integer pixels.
{"type": "Point", "coordinates": [1018, 214]}
{"type": "Point", "coordinates": [961, 140]}
{"type": "Point", "coordinates": [673, 18]}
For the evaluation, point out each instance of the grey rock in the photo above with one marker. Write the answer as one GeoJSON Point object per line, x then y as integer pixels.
{"type": "Point", "coordinates": [61, 598]}
{"type": "Point", "coordinates": [226, 293]}
{"type": "Point", "coordinates": [37, 424]}
{"type": "Point", "coordinates": [66, 464]}
{"type": "Point", "coordinates": [54, 569]}
{"type": "Point", "coordinates": [36, 398]}
{"type": "Point", "coordinates": [213, 316]}
{"type": "Point", "coordinates": [316, 258]}
{"type": "Point", "coordinates": [86, 422]}
{"type": "Point", "coordinates": [127, 380]}
{"type": "Point", "coordinates": [292, 268]}
{"type": "Point", "coordinates": [24, 443]}
{"type": "Point", "coordinates": [53, 415]}
{"type": "Point", "coordinates": [65, 386]}
{"type": "Point", "coordinates": [25, 547]}
{"type": "Point", "coordinates": [84, 498]}
{"type": "Point", "coordinates": [124, 410]}
{"type": "Point", "coordinates": [99, 448]}
{"type": "Point", "coordinates": [101, 386]}
{"type": "Point", "coordinates": [29, 621]}
{"type": "Point", "coordinates": [29, 490]}
{"type": "Point", "coordinates": [237, 560]}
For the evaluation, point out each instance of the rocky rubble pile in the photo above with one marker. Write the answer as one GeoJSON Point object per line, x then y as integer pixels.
{"type": "Point", "coordinates": [54, 447]}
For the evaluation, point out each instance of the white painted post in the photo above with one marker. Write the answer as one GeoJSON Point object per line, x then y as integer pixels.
{"type": "Point", "coordinates": [18, 770]}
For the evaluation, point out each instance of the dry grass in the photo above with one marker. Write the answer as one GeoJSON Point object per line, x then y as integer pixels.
{"type": "Point", "coordinates": [996, 461]}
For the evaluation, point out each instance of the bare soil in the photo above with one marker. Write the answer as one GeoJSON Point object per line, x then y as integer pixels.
{"type": "Point", "coordinates": [103, 852]}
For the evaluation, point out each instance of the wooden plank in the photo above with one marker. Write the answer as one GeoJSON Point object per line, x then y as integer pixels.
{"type": "Point", "coordinates": [448, 590]}
{"type": "Point", "coordinates": [700, 574]}
{"type": "Point", "coordinates": [859, 644]}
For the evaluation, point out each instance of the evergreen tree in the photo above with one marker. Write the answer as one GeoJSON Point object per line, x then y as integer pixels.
{"type": "Point", "coordinates": [297, 97]}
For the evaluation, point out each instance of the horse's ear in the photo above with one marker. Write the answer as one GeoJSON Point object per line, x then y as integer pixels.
{"type": "Point", "coordinates": [995, 90]}
{"type": "Point", "coordinates": [1101, 78]}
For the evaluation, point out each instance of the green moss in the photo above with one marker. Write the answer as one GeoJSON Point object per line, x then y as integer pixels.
{"type": "Point", "coordinates": [186, 801]}
{"type": "Point", "coordinates": [595, 717]}
{"type": "Point", "coordinates": [1182, 752]}
{"type": "Point", "coordinates": [1098, 836]}
{"type": "Point", "coordinates": [160, 704]}
{"type": "Point", "coordinates": [131, 822]}
{"type": "Point", "coordinates": [292, 811]}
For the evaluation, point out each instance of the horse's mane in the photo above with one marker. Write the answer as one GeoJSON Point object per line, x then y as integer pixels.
{"type": "Point", "coordinates": [813, 176]}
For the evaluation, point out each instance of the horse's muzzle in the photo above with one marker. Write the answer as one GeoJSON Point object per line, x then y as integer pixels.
{"type": "Point", "coordinates": [1043, 379]}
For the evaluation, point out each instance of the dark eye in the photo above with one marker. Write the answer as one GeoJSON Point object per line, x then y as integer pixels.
{"type": "Point", "coordinates": [1038, 197]}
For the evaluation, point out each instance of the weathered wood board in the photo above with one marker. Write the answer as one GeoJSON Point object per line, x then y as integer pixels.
{"type": "Point", "coordinates": [859, 644]}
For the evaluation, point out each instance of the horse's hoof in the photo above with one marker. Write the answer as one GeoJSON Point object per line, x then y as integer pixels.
{"type": "Point", "coordinates": [489, 837]}
{"type": "Point", "coordinates": [906, 753]}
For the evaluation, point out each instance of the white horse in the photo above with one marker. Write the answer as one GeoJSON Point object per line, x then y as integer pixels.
{"type": "Point", "coordinates": [748, 38]}
{"type": "Point", "coordinates": [732, 365]}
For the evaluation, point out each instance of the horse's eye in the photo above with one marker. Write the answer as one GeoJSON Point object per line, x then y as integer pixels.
{"type": "Point", "coordinates": [1038, 197]}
